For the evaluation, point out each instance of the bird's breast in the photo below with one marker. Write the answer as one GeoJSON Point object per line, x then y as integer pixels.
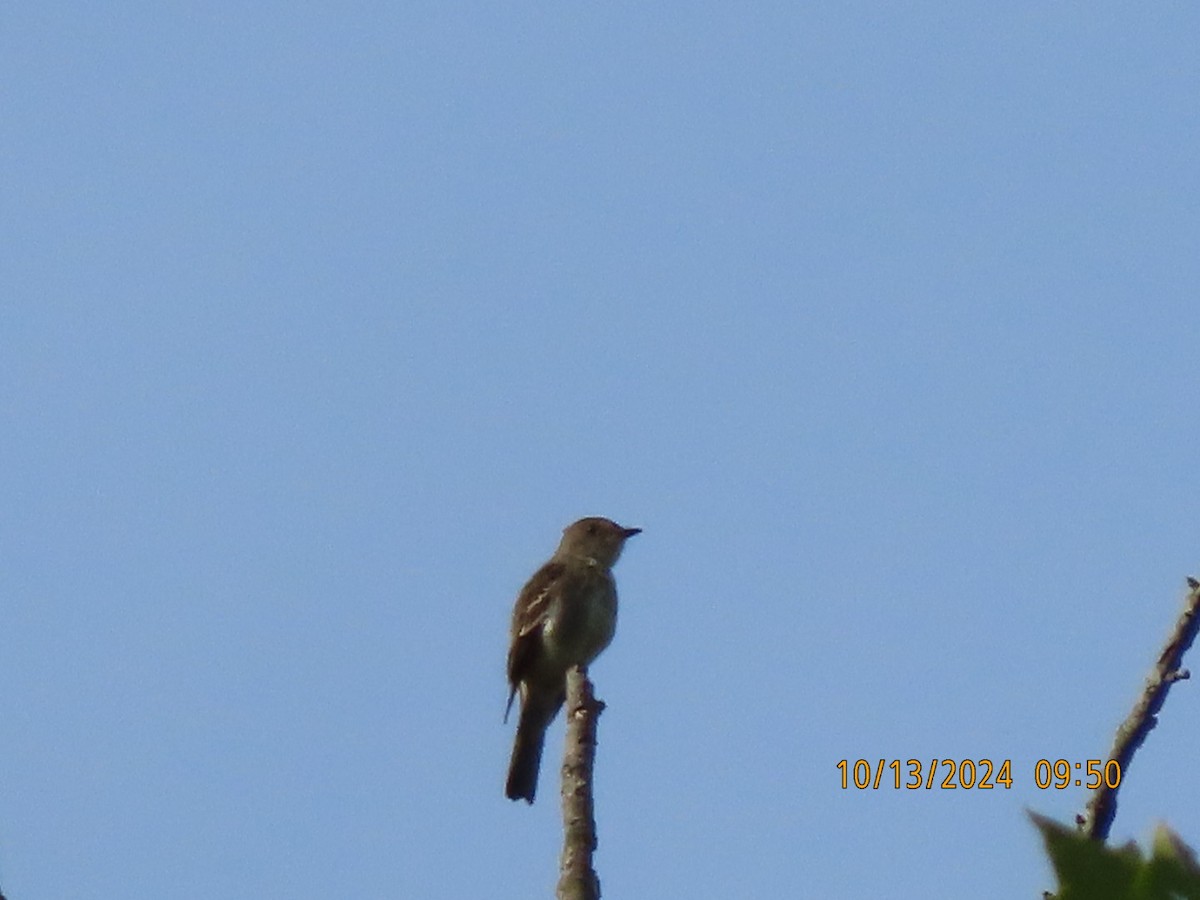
{"type": "Point", "coordinates": [582, 626]}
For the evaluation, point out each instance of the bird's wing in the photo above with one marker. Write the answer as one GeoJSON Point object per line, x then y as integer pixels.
{"type": "Point", "coordinates": [529, 616]}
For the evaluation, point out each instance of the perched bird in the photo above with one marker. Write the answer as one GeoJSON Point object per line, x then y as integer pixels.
{"type": "Point", "coordinates": [564, 616]}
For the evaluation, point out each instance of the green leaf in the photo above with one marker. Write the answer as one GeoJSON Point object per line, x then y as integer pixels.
{"type": "Point", "coordinates": [1089, 870]}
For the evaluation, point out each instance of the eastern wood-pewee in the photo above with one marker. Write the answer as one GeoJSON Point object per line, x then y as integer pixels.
{"type": "Point", "coordinates": [564, 616]}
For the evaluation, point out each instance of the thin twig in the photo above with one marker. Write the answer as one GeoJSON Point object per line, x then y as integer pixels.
{"type": "Point", "coordinates": [577, 879]}
{"type": "Point", "coordinates": [1096, 821]}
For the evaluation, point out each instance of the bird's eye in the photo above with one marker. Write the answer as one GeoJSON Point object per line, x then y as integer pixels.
{"type": "Point", "coordinates": [592, 528]}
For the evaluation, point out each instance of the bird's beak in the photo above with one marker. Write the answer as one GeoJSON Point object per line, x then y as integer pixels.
{"type": "Point", "coordinates": [630, 532]}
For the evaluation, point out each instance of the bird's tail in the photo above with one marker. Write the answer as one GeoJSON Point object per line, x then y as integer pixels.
{"type": "Point", "coordinates": [527, 751]}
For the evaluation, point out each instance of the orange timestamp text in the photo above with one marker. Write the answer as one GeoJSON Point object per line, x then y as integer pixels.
{"type": "Point", "coordinates": [919, 774]}
{"type": "Point", "coordinates": [974, 774]}
{"type": "Point", "coordinates": [1091, 774]}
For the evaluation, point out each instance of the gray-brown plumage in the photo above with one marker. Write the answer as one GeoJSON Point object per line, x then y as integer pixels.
{"type": "Point", "coordinates": [564, 616]}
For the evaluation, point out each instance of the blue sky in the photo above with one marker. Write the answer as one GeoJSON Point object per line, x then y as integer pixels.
{"type": "Point", "coordinates": [320, 321]}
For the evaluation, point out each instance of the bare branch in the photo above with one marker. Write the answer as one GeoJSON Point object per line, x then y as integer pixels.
{"type": "Point", "coordinates": [1102, 808]}
{"type": "Point", "coordinates": [577, 879]}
